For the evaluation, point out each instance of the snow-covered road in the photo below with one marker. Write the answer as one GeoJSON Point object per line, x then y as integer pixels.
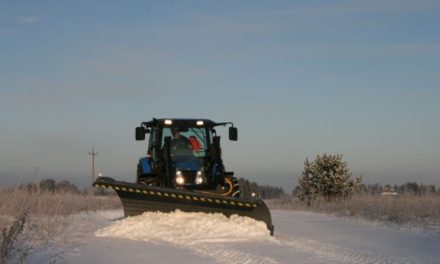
{"type": "Point", "coordinates": [106, 237]}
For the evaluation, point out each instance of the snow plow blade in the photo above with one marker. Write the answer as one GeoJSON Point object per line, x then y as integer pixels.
{"type": "Point", "coordinates": [138, 198]}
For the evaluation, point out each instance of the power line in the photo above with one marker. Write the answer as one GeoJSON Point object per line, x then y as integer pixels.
{"type": "Point", "coordinates": [36, 137]}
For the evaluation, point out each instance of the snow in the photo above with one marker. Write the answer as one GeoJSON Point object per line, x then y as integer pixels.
{"type": "Point", "coordinates": [178, 237]}
{"type": "Point", "coordinates": [187, 228]}
{"type": "Point", "coordinates": [205, 234]}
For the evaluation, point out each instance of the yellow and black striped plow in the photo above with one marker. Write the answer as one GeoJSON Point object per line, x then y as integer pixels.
{"type": "Point", "coordinates": [138, 198]}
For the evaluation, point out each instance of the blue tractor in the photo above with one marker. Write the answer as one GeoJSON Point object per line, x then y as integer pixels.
{"type": "Point", "coordinates": [183, 169]}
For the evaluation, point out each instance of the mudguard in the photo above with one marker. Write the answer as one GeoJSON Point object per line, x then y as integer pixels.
{"type": "Point", "coordinates": [139, 198]}
{"type": "Point", "coordinates": [145, 165]}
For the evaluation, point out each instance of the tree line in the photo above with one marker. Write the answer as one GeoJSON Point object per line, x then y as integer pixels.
{"type": "Point", "coordinates": [50, 185]}
{"type": "Point", "coordinates": [406, 188]}
{"type": "Point", "coordinates": [261, 191]}
{"type": "Point", "coordinates": [410, 188]}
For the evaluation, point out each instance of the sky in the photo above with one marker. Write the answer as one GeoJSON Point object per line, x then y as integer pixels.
{"type": "Point", "coordinates": [298, 79]}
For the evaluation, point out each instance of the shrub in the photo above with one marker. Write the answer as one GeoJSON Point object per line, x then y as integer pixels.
{"type": "Point", "coordinates": [9, 249]}
{"type": "Point", "coordinates": [327, 176]}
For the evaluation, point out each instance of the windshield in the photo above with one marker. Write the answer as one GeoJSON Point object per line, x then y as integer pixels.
{"type": "Point", "coordinates": [187, 141]}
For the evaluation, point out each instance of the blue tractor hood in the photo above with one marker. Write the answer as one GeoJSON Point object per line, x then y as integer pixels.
{"type": "Point", "coordinates": [187, 162]}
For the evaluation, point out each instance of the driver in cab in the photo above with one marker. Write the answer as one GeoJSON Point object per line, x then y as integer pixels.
{"type": "Point", "coordinates": [180, 145]}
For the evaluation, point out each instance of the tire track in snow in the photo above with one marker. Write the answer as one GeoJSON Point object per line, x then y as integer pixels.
{"type": "Point", "coordinates": [337, 254]}
{"type": "Point", "coordinates": [222, 254]}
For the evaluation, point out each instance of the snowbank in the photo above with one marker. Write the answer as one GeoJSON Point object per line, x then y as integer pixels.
{"type": "Point", "coordinates": [211, 236]}
{"type": "Point", "coordinates": [186, 228]}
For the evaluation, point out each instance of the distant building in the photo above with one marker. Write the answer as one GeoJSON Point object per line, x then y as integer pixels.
{"type": "Point", "coordinates": [389, 192]}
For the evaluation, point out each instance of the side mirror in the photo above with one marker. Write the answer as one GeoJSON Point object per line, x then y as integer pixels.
{"type": "Point", "coordinates": [233, 133]}
{"type": "Point", "coordinates": [140, 133]}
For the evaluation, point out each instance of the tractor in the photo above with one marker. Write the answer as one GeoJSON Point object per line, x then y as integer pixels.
{"type": "Point", "coordinates": [185, 154]}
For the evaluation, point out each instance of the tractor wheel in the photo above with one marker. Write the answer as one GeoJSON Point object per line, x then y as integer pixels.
{"type": "Point", "coordinates": [232, 187]}
{"type": "Point", "coordinates": [149, 181]}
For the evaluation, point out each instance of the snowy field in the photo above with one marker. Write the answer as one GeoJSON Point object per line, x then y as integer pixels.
{"type": "Point", "coordinates": [107, 237]}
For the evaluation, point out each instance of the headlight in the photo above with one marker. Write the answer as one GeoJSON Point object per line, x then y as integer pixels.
{"type": "Point", "coordinates": [179, 178]}
{"type": "Point", "coordinates": [200, 178]}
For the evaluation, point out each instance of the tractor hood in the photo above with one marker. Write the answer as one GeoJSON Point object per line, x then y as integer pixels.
{"type": "Point", "coordinates": [186, 162]}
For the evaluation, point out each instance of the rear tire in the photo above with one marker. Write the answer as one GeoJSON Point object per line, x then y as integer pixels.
{"type": "Point", "coordinates": [232, 187]}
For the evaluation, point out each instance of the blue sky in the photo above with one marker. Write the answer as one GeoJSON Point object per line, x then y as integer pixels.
{"type": "Point", "coordinates": [298, 78]}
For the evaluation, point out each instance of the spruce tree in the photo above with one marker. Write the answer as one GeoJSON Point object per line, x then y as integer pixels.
{"type": "Point", "coordinates": [327, 176]}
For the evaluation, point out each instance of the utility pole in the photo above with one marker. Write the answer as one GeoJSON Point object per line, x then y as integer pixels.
{"type": "Point", "coordinates": [37, 168]}
{"type": "Point", "coordinates": [93, 154]}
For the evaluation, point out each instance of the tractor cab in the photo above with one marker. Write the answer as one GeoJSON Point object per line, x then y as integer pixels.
{"type": "Point", "coordinates": [182, 154]}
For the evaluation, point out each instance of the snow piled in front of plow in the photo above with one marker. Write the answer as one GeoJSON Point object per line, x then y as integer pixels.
{"type": "Point", "coordinates": [186, 228]}
{"type": "Point", "coordinates": [207, 235]}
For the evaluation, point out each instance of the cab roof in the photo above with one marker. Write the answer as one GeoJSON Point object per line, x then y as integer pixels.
{"type": "Point", "coordinates": [189, 122]}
